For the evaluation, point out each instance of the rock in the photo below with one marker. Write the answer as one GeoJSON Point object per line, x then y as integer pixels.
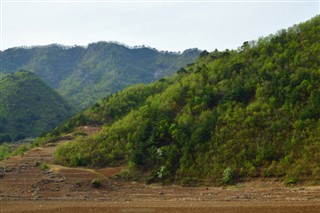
{"type": "Point", "coordinates": [47, 171]}
{"type": "Point", "coordinates": [2, 172]}
{"type": "Point", "coordinates": [8, 169]}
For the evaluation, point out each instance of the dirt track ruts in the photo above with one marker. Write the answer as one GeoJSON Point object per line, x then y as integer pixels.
{"type": "Point", "coordinates": [156, 207]}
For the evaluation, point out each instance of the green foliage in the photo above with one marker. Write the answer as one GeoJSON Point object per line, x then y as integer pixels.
{"type": "Point", "coordinates": [130, 174]}
{"type": "Point", "coordinates": [5, 151]}
{"type": "Point", "coordinates": [8, 149]}
{"type": "Point", "coordinates": [291, 181]}
{"type": "Point", "coordinates": [20, 150]}
{"type": "Point", "coordinates": [47, 138]}
{"type": "Point", "coordinates": [84, 75]}
{"type": "Point", "coordinates": [228, 175]}
{"type": "Point", "coordinates": [28, 107]}
{"type": "Point", "coordinates": [44, 166]}
{"type": "Point", "coordinates": [232, 114]}
{"type": "Point", "coordinates": [96, 183]}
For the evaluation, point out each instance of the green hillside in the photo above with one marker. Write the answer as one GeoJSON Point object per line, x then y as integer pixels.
{"type": "Point", "coordinates": [28, 107]}
{"type": "Point", "coordinates": [82, 75]}
{"type": "Point", "coordinates": [251, 112]}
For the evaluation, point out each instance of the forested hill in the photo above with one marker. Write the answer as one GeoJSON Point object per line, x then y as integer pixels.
{"type": "Point", "coordinates": [233, 114]}
{"type": "Point", "coordinates": [82, 75]}
{"type": "Point", "coordinates": [28, 107]}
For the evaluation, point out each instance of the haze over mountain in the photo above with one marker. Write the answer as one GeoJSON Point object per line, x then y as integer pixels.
{"type": "Point", "coordinates": [28, 107]}
{"type": "Point", "coordinates": [251, 112]}
{"type": "Point", "coordinates": [82, 75]}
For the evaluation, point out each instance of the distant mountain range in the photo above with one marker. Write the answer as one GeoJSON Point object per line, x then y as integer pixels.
{"type": "Point", "coordinates": [29, 107]}
{"type": "Point", "coordinates": [82, 75]}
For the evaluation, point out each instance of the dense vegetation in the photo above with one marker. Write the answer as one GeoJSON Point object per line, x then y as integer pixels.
{"type": "Point", "coordinates": [83, 75]}
{"type": "Point", "coordinates": [233, 114]}
{"type": "Point", "coordinates": [28, 107]}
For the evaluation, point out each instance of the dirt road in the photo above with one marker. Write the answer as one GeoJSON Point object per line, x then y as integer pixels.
{"type": "Point", "coordinates": [157, 207]}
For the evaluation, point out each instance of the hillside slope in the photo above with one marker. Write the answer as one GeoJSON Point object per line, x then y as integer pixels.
{"type": "Point", "coordinates": [83, 75]}
{"type": "Point", "coordinates": [233, 114]}
{"type": "Point", "coordinates": [28, 107]}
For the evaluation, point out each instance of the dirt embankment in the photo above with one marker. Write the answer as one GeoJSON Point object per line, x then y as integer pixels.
{"type": "Point", "coordinates": [24, 187]}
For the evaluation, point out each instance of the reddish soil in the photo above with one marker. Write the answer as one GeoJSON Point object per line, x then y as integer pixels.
{"type": "Point", "coordinates": [24, 187]}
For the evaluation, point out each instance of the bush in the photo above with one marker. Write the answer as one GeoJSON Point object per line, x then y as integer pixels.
{"type": "Point", "coordinates": [130, 174]}
{"type": "Point", "coordinates": [290, 181]}
{"type": "Point", "coordinates": [163, 172]}
{"type": "Point", "coordinates": [5, 151]}
{"type": "Point", "coordinates": [228, 175]}
{"type": "Point", "coordinates": [44, 166]}
{"type": "Point", "coordinates": [19, 150]}
{"type": "Point", "coordinates": [96, 183]}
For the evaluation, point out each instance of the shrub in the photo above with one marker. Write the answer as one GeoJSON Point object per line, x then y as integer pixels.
{"type": "Point", "coordinates": [5, 151]}
{"type": "Point", "coordinates": [291, 181]}
{"type": "Point", "coordinates": [130, 174]}
{"type": "Point", "coordinates": [20, 149]}
{"type": "Point", "coordinates": [96, 183]}
{"type": "Point", "coordinates": [228, 175]}
{"type": "Point", "coordinates": [44, 166]}
{"type": "Point", "coordinates": [163, 172]}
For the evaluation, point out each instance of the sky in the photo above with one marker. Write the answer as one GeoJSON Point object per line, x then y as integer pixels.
{"type": "Point", "coordinates": [164, 25]}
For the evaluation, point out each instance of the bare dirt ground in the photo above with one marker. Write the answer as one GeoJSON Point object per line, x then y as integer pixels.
{"type": "Point", "coordinates": [24, 187]}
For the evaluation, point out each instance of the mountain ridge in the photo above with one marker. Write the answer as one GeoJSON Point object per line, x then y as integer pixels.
{"type": "Point", "coordinates": [82, 75]}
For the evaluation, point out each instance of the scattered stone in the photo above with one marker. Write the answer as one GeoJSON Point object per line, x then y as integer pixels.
{"type": "Point", "coordinates": [9, 169]}
{"type": "Point", "coordinates": [2, 172]}
{"type": "Point", "coordinates": [47, 171]}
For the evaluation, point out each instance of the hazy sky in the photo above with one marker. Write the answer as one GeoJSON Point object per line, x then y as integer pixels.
{"type": "Point", "coordinates": [173, 26]}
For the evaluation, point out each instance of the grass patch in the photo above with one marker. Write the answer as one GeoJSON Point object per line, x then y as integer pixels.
{"type": "Point", "coordinates": [44, 166]}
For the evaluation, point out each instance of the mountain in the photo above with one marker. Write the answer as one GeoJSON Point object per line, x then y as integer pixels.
{"type": "Point", "coordinates": [29, 107]}
{"type": "Point", "coordinates": [232, 115]}
{"type": "Point", "coordinates": [82, 75]}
